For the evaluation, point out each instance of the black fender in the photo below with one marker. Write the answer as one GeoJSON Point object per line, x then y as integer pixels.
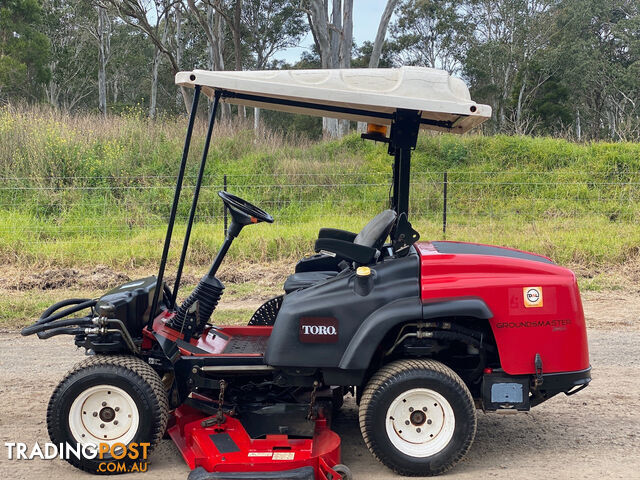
{"type": "Point", "coordinates": [372, 331]}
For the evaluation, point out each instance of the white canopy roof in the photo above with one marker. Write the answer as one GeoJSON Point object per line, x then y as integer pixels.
{"type": "Point", "coordinates": [358, 94]}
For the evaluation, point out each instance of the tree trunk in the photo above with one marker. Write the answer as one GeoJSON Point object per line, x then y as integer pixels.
{"type": "Point", "coordinates": [52, 93]}
{"type": "Point", "coordinates": [347, 35]}
{"type": "Point", "coordinates": [335, 33]}
{"type": "Point", "coordinates": [116, 91]}
{"type": "Point", "coordinates": [320, 28]}
{"type": "Point", "coordinates": [345, 51]}
{"type": "Point", "coordinates": [519, 122]}
{"type": "Point", "coordinates": [332, 129]}
{"type": "Point", "coordinates": [327, 46]}
{"type": "Point", "coordinates": [154, 72]}
{"type": "Point", "coordinates": [216, 50]}
{"type": "Point", "coordinates": [154, 83]}
{"type": "Point", "coordinates": [103, 53]}
{"type": "Point", "coordinates": [179, 45]}
{"type": "Point", "coordinates": [374, 60]}
{"type": "Point", "coordinates": [382, 33]}
{"type": "Point", "coordinates": [220, 24]}
{"type": "Point", "coordinates": [256, 118]}
{"type": "Point", "coordinates": [185, 99]}
{"type": "Point", "coordinates": [237, 47]}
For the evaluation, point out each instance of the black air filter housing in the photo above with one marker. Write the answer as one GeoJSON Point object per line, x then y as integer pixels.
{"type": "Point", "coordinates": [131, 303]}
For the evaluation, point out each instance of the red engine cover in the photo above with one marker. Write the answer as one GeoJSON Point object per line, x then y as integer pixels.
{"type": "Point", "coordinates": [536, 306]}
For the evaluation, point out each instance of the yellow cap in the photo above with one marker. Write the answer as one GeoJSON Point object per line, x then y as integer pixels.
{"type": "Point", "coordinates": [363, 271]}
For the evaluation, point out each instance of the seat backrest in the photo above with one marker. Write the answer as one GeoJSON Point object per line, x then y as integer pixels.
{"type": "Point", "coordinates": [377, 230]}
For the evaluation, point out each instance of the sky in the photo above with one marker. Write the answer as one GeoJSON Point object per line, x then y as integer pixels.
{"type": "Point", "coordinates": [366, 16]}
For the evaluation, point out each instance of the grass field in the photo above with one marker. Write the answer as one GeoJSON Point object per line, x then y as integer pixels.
{"type": "Point", "coordinates": [76, 191]}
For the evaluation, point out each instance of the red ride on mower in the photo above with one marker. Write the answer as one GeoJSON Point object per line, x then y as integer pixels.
{"type": "Point", "coordinates": [423, 334]}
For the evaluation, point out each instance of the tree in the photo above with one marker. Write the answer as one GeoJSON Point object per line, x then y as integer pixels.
{"type": "Point", "coordinates": [102, 34]}
{"type": "Point", "coordinates": [148, 16]}
{"type": "Point", "coordinates": [598, 53]}
{"type": "Point", "coordinates": [333, 40]}
{"type": "Point", "coordinates": [431, 33]}
{"type": "Point", "coordinates": [510, 38]}
{"type": "Point", "coordinates": [364, 53]}
{"type": "Point", "coordinates": [377, 46]}
{"type": "Point", "coordinates": [24, 49]}
{"type": "Point", "coordinates": [72, 61]}
{"type": "Point", "coordinates": [269, 27]}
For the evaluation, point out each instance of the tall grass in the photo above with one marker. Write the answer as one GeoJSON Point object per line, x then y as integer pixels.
{"type": "Point", "coordinates": [81, 189]}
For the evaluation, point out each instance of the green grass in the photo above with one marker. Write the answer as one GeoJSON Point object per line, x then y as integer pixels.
{"type": "Point", "coordinates": [81, 190]}
{"type": "Point", "coordinates": [591, 241]}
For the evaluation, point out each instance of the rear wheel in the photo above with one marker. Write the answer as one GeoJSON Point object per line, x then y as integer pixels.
{"type": "Point", "coordinates": [417, 417]}
{"type": "Point", "coordinates": [111, 400]}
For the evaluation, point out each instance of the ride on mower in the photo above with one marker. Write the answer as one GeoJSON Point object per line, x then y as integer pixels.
{"type": "Point", "coordinates": [421, 333]}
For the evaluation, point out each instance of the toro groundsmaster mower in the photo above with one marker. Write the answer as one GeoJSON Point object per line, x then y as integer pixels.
{"type": "Point", "coordinates": [423, 334]}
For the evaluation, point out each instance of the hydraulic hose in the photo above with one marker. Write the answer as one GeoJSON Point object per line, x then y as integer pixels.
{"type": "Point", "coordinates": [60, 323]}
{"type": "Point", "coordinates": [63, 303]}
{"type": "Point", "coordinates": [47, 317]}
{"type": "Point", "coordinates": [60, 331]}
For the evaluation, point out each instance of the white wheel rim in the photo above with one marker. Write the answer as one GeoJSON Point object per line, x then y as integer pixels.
{"type": "Point", "coordinates": [104, 414]}
{"type": "Point", "coordinates": [420, 422]}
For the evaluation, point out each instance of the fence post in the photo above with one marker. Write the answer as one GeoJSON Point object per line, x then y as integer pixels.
{"type": "Point", "coordinates": [445, 183]}
{"type": "Point", "coordinates": [224, 187]}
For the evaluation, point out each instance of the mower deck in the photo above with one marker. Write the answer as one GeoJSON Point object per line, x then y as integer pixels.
{"type": "Point", "coordinates": [288, 445]}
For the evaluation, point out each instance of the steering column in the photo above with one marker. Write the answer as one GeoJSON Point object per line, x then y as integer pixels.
{"type": "Point", "coordinates": [195, 311]}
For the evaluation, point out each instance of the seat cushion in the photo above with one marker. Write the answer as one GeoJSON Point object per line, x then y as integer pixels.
{"type": "Point", "coordinates": [305, 279]}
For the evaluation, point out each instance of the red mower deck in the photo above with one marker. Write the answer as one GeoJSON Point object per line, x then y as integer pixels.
{"type": "Point", "coordinates": [227, 447]}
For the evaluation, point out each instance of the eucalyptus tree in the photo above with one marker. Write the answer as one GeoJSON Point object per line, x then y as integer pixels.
{"type": "Point", "coordinates": [268, 27]}
{"type": "Point", "coordinates": [24, 50]}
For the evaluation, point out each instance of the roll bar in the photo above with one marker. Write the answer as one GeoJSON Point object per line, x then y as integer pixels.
{"type": "Point", "coordinates": [405, 125]}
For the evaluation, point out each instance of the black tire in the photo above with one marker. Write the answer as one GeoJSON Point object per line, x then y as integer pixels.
{"type": "Point", "coordinates": [123, 372]}
{"type": "Point", "coordinates": [394, 382]}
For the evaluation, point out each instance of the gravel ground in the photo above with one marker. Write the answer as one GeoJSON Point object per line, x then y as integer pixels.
{"type": "Point", "coordinates": [594, 434]}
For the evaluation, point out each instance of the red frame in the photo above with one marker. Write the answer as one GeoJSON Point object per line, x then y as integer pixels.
{"type": "Point", "coordinates": [212, 345]}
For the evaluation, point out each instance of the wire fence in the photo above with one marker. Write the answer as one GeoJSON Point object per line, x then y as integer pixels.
{"type": "Point", "coordinates": [60, 209]}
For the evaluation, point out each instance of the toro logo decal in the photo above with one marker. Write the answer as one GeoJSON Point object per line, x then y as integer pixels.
{"type": "Point", "coordinates": [318, 330]}
{"type": "Point", "coordinates": [532, 296]}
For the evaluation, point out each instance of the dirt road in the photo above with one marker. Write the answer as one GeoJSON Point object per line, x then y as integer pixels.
{"type": "Point", "coordinates": [595, 434]}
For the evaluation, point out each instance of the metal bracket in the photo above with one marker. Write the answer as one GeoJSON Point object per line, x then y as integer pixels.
{"type": "Point", "coordinates": [404, 130]}
{"type": "Point", "coordinates": [403, 235]}
{"type": "Point", "coordinates": [538, 364]}
{"type": "Point", "coordinates": [312, 402]}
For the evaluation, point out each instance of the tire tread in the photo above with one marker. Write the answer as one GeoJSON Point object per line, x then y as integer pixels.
{"type": "Point", "coordinates": [127, 362]}
{"type": "Point", "coordinates": [382, 378]}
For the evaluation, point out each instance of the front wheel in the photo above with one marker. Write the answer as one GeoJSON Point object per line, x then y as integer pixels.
{"type": "Point", "coordinates": [417, 417]}
{"type": "Point", "coordinates": [117, 403]}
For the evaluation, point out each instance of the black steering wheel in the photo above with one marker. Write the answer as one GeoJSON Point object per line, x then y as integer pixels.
{"type": "Point", "coordinates": [242, 211]}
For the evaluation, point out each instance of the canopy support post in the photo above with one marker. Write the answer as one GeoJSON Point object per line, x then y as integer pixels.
{"type": "Point", "coordinates": [196, 195]}
{"type": "Point", "coordinates": [174, 207]}
{"type": "Point", "coordinates": [402, 140]}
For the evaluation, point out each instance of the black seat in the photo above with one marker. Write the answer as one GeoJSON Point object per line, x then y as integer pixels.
{"type": "Point", "coordinates": [340, 245]}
